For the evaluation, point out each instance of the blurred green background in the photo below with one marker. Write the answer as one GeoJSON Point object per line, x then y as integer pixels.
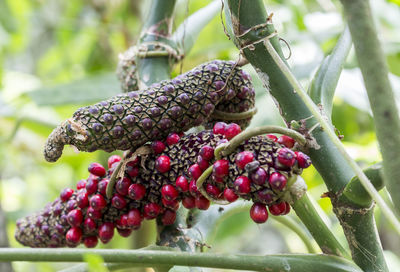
{"type": "Point", "coordinates": [57, 56]}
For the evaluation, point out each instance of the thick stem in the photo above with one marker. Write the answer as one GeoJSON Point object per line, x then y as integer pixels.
{"type": "Point", "coordinates": [383, 104]}
{"type": "Point", "coordinates": [272, 263]}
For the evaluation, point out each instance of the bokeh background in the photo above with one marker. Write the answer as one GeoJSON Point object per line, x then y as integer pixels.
{"type": "Point", "coordinates": [56, 56]}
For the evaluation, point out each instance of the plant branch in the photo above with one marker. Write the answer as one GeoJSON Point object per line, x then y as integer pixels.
{"type": "Point", "coordinates": [294, 262]}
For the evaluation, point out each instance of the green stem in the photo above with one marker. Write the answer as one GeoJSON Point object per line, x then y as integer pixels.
{"type": "Point", "coordinates": [234, 116]}
{"type": "Point", "coordinates": [294, 262]}
{"type": "Point", "coordinates": [373, 67]}
{"type": "Point", "coordinates": [251, 132]}
{"type": "Point", "coordinates": [319, 230]}
{"type": "Point", "coordinates": [199, 185]}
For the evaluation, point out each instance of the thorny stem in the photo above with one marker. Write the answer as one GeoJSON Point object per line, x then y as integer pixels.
{"type": "Point", "coordinates": [271, 263]}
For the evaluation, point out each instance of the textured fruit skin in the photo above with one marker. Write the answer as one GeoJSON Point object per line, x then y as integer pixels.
{"type": "Point", "coordinates": [127, 121]}
{"type": "Point", "coordinates": [30, 230]}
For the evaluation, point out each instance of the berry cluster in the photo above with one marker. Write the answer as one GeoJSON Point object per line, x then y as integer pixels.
{"type": "Point", "coordinates": [154, 185]}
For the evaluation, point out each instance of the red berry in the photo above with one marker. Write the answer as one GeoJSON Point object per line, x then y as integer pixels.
{"type": "Point", "coordinates": [74, 236]}
{"type": "Point", "coordinates": [193, 187]}
{"type": "Point", "coordinates": [277, 181]}
{"type": "Point", "coordinates": [287, 210]}
{"type": "Point", "coordinates": [244, 158]}
{"type": "Point", "coordinates": [188, 202]}
{"type": "Point", "coordinates": [163, 164]}
{"type": "Point", "coordinates": [122, 186]}
{"type": "Point", "coordinates": [132, 171]}
{"type": "Point", "coordinates": [272, 137]}
{"type": "Point", "coordinates": [203, 164]}
{"type": "Point", "coordinates": [259, 213]}
{"type": "Point", "coordinates": [202, 203]}
{"type": "Point", "coordinates": [172, 138]}
{"type": "Point", "coordinates": [286, 157]}
{"type": "Point", "coordinates": [169, 192]}
{"type": "Point", "coordinates": [195, 171]}
{"type": "Point", "coordinates": [93, 214]}
{"type": "Point", "coordinates": [113, 159]}
{"type": "Point", "coordinates": [158, 147]}
{"type": "Point", "coordinates": [97, 202]}
{"type": "Point", "coordinates": [303, 161]}
{"type": "Point", "coordinates": [242, 185]}
{"type": "Point", "coordinates": [172, 204]}
{"type": "Point", "coordinates": [96, 169]}
{"type": "Point", "coordinates": [266, 196]}
{"type": "Point", "coordinates": [259, 176]}
{"type": "Point", "coordinates": [221, 168]}
{"type": "Point", "coordinates": [151, 210]}
{"type": "Point", "coordinates": [81, 184]}
{"type": "Point", "coordinates": [102, 186]}
{"type": "Point", "coordinates": [91, 186]}
{"type": "Point", "coordinates": [213, 191]}
{"type": "Point", "coordinates": [118, 201]}
{"type": "Point", "coordinates": [168, 217]}
{"type": "Point", "coordinates": [82, 200]}
{"type": "Point", "coordinates": [106, 232]}
{"type": "Point", "coordinates": [232, 130]}
{"type": "Point", "coordinates": [286, 141]}
{"type": "Point", "coordinates": [136, 191]}
{"type": "Point", "coordinates": [218, 179]}
{"type": "Point", "coordinates": [124, 232]}
{"type": "Point", "coordinates": [75, 217]}
{"type": "Point", "coordinates": [134, 218]}
{"type": "Point", "coordinates": [207, 152]}
{"type": "Point", "coordinates": [182, 184]}
{"type": "Point", "coordinates": [133, 162]}
{"type": "Point", "coordinates": [219, 128]}
{"type": "Point", "coordinates": [122, 222]}
{"type": "Point", "coordinates": [277, 209]}
{"type": "Point", "coordinates": [90, 241]}
{"type": "Point", "coordinates": [230, 195]}
{"type": "Point", "coordinates": [66, 194]}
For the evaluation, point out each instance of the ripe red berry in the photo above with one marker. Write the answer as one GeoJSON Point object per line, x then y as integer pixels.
{"type": "Point", "coordinates": [172, 204]}
{"type": "Point", "coordinates": [286, 141]}
{"type": "Point", "coordinates": [244, 158]}
{"type": "Point", "coordinates": [232, 130]}
{"type": "Point", "coordinates": [259, 176]}
{"type": "Point", "coordinates": [188, 202]}
{"type": "Point", "coordinates": [169, 192]}
{"type": "Point", "coordinates": [122, 222]}
{"type": "Point", "coordinates": [82, 200]}
{"type": "Point", "coordinates": [97, 202]}
{"type": "Point", "coordinates": [218, 179]}
{"type": "Point", "coordinates": [134, 218]}
{"type": "Point", "coordinates": [230, 195]}
{"type": "Point", "coordinates": [132, 171]}
{"type": "Point", "coordinates": [75, 217]}
{"type": "Point", "coordinates": [163, 164]}
{"type": "Point", "coordinates": [202, 203]}
{"type": "Point", "coordinates": [118, 201]}
{"type": "Point", "coordinates": [122, 186]}
{"type": "Point", "coordinates": [207, 152]}
{"type": "Point", "coordinates": [259, 213]}
{"type": "Point", "coordinates": [90, 241]}
{"type": "Point", "coordinates": [272, 137]}
{"type": "Point", "coordinates": [96, 169]}
{"type": "Point", "coordinates": [136, 191]}
{"type": "Point", "coordinates": [81, 184]}
{"type": "Point", "coordinates": [151, 210]}
{"type": "Point", "coordinates": [303, 161]}
{"type": "Point", "coordinates": [266, 196]}
{"type": "Point", "coordinates": [286, 157]}
{"type": "Point", "coordinates": [66, 194]}
{"type": "Point", "coordinates": [113, 159]}
{"type": "Point", "coordinates": [172, 138]}
{"type": "Point", "coordinates": [213, 191]}
{"type": "Point", "coordinates": [102, 186]}
{"type": "Point", "coordinates": [168, 217]}
{"type": "Point", "coordinates": [158, 147]}
{"type": "Point", "coordinates": [277, 209]}
{"type": "Point", "coordinates": [193, 188]}
{"type": "Point", "coordinates": [195, 171]}
{"type": "Point", "coordinates": [203, 164]}
{"type": "Point", "coordinates": [219, 128]}
{"type": "Point", "coordinates": [91, 186]}
{"type": "Point", "coordinates": [133, 162]}
{"type": "Point", "coordinates": [74, 236]}
{"type": "Point", "coordinates": [277, 181]}
{"type": "Point", "coordinates": [182, 184]}
{"type": "Point", "coordinates": [242, 185]}
{"type": "Point", "coordinates": [287, 210]}
{"type": "Point", "coordinates": [221, 168]}
{"type": "Point", "coordinates": [93, 214]}
{"type": "Point", "coordinates": [106, 232]}
{"type": "Point", "coordinates": [124, 232]}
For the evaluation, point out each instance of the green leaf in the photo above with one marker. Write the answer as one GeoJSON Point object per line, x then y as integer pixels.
{"type": "Point", "coordinates": [90, 89]}
{"type": "Point", "coordinates": [324, 83]}
{"type": "Point", "coordinates": [187, 33]}
{"type": "Point", "coordinates": [95, 263]}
